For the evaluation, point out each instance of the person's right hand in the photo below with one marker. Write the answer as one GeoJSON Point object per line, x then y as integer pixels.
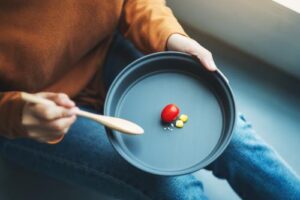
{"type": "Point", "coordinates": [49, 123]}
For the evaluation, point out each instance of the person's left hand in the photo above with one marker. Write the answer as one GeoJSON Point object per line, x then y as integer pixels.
{"type": "Point", "coordinates": [177, 42]}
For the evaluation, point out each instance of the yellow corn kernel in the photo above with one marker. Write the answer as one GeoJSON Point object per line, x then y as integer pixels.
{"type": "Point", "coordinates": [179, 123]}
{"type": "Point", "coordinates": [184, 118]}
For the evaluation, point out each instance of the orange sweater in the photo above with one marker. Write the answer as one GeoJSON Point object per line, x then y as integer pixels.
{"type": "Point", "coordinates": [59, 46]}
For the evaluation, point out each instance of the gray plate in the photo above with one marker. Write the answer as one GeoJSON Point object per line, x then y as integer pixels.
{"type": "Point", "coordinates": [141, 91]}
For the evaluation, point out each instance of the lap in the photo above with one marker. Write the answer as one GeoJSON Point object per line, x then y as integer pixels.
{"type": "Point", "coordinates": [86, 157]}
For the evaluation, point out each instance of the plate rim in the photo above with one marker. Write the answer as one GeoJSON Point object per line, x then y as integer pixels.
{"type": "Point", "coordinates": [110, 133]}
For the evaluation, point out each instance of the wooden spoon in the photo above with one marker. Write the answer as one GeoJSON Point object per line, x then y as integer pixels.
{"type": "Point", "coordinates": [114, 123]}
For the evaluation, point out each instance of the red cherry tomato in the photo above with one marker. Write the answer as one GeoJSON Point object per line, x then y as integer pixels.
{"type": "Point", "coordinates": [169, 113]}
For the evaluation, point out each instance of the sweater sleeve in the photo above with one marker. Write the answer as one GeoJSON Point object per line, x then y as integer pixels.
{"type": "Point", "coordinates": [148, 24]}
{"type": "Point", "coordinates": [11, 109]}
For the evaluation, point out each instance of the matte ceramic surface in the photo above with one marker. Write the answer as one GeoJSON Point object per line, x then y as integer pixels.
{"type": "Point", "coordinates": [141, 91]}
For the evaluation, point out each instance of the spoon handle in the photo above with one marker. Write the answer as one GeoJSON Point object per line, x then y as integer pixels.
{"type": "Point", "coordinates": [118, 124]}
{"type": "Point", "coordinates": [115, 123]}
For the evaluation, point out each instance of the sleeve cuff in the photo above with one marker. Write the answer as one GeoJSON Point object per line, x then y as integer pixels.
{"type": "Point", "coordinates": [11, 111]}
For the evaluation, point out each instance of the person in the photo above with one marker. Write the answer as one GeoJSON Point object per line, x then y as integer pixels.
{"type": "Point", "coordinates": [63, 51]}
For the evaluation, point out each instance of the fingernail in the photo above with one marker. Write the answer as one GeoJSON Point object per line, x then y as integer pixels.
{"type": "Point", "coordinates": [72, 103]}
{"type": "Point", "coordinates": [212, 65]}
{"type": "Point", "coordinates": [68, 101]}
{"type": "Point", "coordinates": [73, 111]}
{"type": "Point", "coordinates": [207, 65]}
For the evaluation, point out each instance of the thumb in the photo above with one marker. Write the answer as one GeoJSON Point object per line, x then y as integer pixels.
{"type": "Point", "coordinates": [59, 99]}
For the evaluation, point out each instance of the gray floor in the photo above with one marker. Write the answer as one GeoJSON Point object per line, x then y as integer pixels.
{"type": "Point", "coordinates": [268, 98]}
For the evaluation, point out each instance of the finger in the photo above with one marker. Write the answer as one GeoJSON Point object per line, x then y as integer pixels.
{"type": "Point", "coordinates": [60, 99]}
{"type": "Point", "coordinates": [57, 140]}
{"type": "Point", "coordinates": [52, 112]}
{"type": "Point", "coordinates": [43, 134]}
{"type": "Point", "coordinates": [50, 140]}
{"type": "Point", "coordinates": [207, 60]}
{"type": "Point", "coordinates": [203, 55]}
{"type": "Point", "coordinates": [53, 138]}
{"type": "Point", "coordinates": [61, 124]}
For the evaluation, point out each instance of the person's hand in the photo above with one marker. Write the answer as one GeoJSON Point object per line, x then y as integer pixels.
{"type": "Point", "coordinates": [177, 42]}
{"type": "Point", "coordinates": [49, 123]}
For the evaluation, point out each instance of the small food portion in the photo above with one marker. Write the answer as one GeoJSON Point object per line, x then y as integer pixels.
{"type": "Point", "coordinates": [184, 118]}
{"type": "Point", "coordinates": [179, 123]}
{"type": "Point", "coordinates": [169, 113]}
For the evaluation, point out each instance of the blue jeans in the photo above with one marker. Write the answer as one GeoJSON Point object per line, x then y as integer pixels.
{"type": "Point", "coordinates": [85, 156]}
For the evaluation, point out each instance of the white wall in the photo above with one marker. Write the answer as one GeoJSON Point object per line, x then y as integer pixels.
{"type": "Point", "coordinates": [262, 28]}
